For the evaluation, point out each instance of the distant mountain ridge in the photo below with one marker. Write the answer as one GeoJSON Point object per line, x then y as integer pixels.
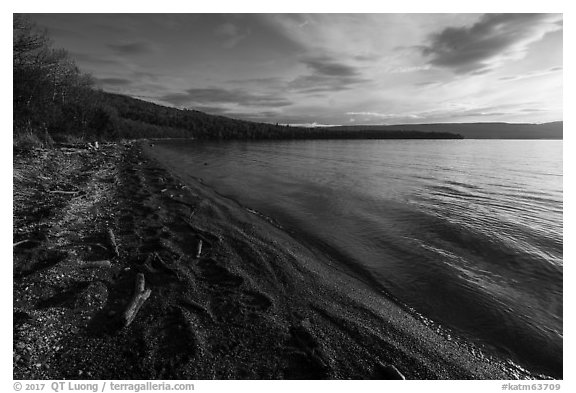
{"type": "Point", "coordinates": [552, 130]}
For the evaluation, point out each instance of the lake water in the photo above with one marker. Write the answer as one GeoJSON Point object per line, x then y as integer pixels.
{"type": "Point", "coordinates": [468, 233]}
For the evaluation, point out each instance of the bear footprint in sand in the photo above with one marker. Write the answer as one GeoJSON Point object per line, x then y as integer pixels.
{"type": "Point", "coordinates": [255, 301]}
{"type": "Point", "coordinates": [216, 275]}
{"type": "Point", "coordinates": [178, 342]}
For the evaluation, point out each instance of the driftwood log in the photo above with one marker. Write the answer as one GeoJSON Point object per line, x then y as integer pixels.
{"type": "Point", "coordinates": [21, 242]}
{"type": "Point", "coordinates": [63, 192]}
{"type": "Point", "coordinates": [389, 371]}
{"type": "Point", "coordinates": [96, 264]}
{"type": "Point", "coordinates": [140, 296]}
{"type": "Point", "coordinates": [113, 242]}
{"type": "Point", "coordinates": [199, 248]}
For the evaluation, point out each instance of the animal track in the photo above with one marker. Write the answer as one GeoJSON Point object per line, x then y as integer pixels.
{"type": "Point", "coordinates": [218, 276]}
{"type": "Point", "coordinates": [305, 360]}
{"type": "Point", "coordinates": [177, 342]}
{"type": "Point", "coordinates": [38, 259]}
{"type": "Point", "coordinates": [254, 301]}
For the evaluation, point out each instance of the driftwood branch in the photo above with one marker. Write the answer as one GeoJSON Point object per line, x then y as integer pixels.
{"type": "Point", "coordinates": [140, 296]}
{"type": "Point", "coordinates": [63, 192]}
{"type": "Point", "coordinates": [97, 245]}
{"type": "Point", "coordinates": [113, 242]}
{"type": "Point", "coordinates": [91, 264]}
{"type": "Point", "coordinates": [21, 242]}
{"type": "Point", "coordinates": [389, 372]}
{"type": "Point", "coordinates": [199, 248]}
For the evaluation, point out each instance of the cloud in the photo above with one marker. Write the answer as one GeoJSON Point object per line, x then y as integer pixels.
{"type": "Point", "coordinates": [326, 75]}
{"type": "Point", "coordinates": [213, 110]}
{"type": "Point", "coordinates": [388, 115]}
{"type": "Point", "coordinates": [231, 34]}
{"type": "Point", "coordinates": [133, 48]}
{"type": "Point", "coordinates": [428, 84]}
{"type": "Point", "coordinates": [266, 83]}
{"type": "Point", "coordinates": [531, 110]}
{"type": "Point", "coordinates": [532, 74]}
{"type": "Point", "coordinates": [368, 57]}
{"type": "Point", "coordinates": [114, 81]}
{"type": "Point", "coordinates": [329, 67]}
{"type": "Point", "coordinates": [203, 96]}
{"type": "Point", "coordinates": [87, 58]}
{"type": "Point", "coordinates": [488, 42]}
{"type": "Point", "coordinates": [452, 111]}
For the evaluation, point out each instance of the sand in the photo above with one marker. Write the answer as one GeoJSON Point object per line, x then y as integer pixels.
{"type": "Point", "coordinates": [254, 303]}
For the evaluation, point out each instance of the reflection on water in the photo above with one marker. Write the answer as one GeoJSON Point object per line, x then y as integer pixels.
{"type": "Point", "coordinates": [468, 233]}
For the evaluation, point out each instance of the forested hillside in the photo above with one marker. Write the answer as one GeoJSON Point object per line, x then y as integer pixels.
{"type": "Point", "coordinates": [51, 96]}
{"type": "Point", "coordinates": [145, 119]}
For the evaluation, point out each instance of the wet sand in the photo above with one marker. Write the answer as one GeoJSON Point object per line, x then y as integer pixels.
{"type": "Point", "coordinates": [254, 303]}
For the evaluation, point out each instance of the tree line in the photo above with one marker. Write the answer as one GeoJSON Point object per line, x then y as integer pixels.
{"type": "Point", "coordinates": [51, 96]}
{"type": "Point", "coordinates": [54, 101]}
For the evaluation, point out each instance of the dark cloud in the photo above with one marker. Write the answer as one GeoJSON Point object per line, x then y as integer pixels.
{"type": "Point", "coordinates": [133, 48]}
{"type": "Point", "coordinates": [114, 81]}
{"type": "Point", "coordinates": [329, 67]}
{"type": "Point", "coordinates": [470, 49]}
{"type": "Point", "coordinates": [223, 96]}
{"type": "Point", "coordinates": [367, 57]}
{"type": "Point", "coordinates": [213, 110]}
{"type": "Point", "coordinates": [483, 114]}
{"type": "Point", "coordinates": [270, 82]}
{"type": "Point", "coordinates": [532, 110]}
{"type": "Point", "coordinates": [177, 99]}
{"type": "Point", "coordinates": [429, 83]}
{"type": "Point", "coordinates": [327, 75]}
{"type": "Point", "coordinates": [87, 58]}
{"type": "Point", "coordinates": [231, 34]}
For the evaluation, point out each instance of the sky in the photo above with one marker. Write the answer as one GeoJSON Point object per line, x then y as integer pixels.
{"type": "Point", "coordinates": [327, 69]}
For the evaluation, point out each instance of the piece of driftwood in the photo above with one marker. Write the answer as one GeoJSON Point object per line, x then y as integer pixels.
{"type": "Point", "coordinates": [63, 192]}
{"type": "Point", "coordinates": [101, 246]}
{"type": "Point", "coordinates": [91, 264]}
{"type": "Point", "coordinates": [199, 248]}
{"type": "Point", "coordinates": [93, 146]}
{"type": "Point", "coordinates": [113, 242]}
{"type": "Point", "coordinates": [389, 371]}
{"type": "Point", "coordinates": [140, 296]}
{"type": "Point", "coordinates": [21, 242]}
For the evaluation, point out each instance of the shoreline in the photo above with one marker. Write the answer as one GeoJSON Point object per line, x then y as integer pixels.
{"type": "Point", "coordinates": [255, 303]}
